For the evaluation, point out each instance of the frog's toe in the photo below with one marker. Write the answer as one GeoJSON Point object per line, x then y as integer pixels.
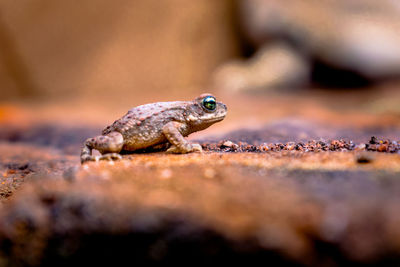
{"type": "Point", "coordinates": [109, 156]}
{"type": "Point", "coordinates": [185, 149]}
{"type": "Point", "coordinates": [173, 150]}
{"type": "Point", "coordinates": [197, 148]}
{"type": "Point", "coordinates": [87, 158]}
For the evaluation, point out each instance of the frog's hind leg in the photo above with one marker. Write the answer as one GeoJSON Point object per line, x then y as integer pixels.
{"type": "Point", "coordinates": [108, 145]}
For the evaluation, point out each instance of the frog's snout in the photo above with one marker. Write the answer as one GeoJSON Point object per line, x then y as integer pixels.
{"type": "Point", "coordinates": [222, 110]}
{"type": "Point", "coordinates": [224, 107]}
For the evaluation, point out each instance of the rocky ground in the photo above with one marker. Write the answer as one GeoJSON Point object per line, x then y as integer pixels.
{"type": "Point", "coordinates": [288, 191]}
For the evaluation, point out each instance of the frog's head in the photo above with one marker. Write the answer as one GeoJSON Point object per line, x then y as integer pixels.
{"type": "Point", "coordinates": [205, 111]}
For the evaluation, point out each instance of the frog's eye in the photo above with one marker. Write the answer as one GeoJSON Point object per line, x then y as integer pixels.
{"type": "Point", "coordinates": [209, 103]}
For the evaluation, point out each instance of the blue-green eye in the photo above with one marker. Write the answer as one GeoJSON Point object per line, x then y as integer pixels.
{"type": "Point", "coordinates": [209, 103]}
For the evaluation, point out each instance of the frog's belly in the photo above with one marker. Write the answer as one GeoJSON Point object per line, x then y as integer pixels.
{"type": "Point", "coordinates": [143, 140]}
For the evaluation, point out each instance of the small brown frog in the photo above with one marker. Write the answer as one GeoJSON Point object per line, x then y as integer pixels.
{"type": "Point", "coordinates": [154, 124]}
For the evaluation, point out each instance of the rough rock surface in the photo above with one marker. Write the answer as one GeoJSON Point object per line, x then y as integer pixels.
{"type": "Point", "coordinates": [273, 186]}
{"type": "Point", "coordinates": [335, 204]}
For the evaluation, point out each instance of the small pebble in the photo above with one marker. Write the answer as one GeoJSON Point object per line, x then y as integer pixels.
{"type": "Point", "coordinates": [228, 144]}
{"type": "Point", "coordinates": [339, 145]}
{"type": "Point", "coordinates": [383, 148]}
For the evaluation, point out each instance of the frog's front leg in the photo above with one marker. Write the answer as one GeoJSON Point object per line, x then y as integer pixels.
{"type": "Point", "coordinates": [108, 145]}
{"type": "Point", "coordinates": [179, 144]}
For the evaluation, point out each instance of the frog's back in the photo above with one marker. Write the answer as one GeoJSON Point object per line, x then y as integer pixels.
{"type": "Point", "coordinates": [144, 116]}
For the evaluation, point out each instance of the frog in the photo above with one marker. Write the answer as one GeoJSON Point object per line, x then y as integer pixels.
{"type": "Point", "coordinates": [154, 125]}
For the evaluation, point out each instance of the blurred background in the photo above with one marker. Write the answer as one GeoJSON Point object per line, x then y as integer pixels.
{"type": "Point", "coordinates": [69, 60]}
{"type": "Point", "coordinates": [121, 49]}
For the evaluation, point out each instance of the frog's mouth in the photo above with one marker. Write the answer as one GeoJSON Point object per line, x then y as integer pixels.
{"type": "Point", "coordinates": [215, 119]}
{"type": "Point", "coordinates": [205, 119]}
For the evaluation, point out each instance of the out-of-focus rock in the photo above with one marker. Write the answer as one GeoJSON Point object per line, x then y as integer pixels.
{"type": "Point", "coordinates": [358, 37]}
{"type": "Point", "coordinates": [209, 209]}
{"type": "Point", "coordinates": [277, 65]}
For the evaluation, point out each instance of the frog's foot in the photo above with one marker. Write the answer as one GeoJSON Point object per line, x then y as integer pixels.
{"type": "Point", "coordinates": [179, 144]}
{"type": "Point", "coordinates": [109, 156]}
{"type": "Point", "coordinates": [87, 157]}
{"type": "Point", "coordinates": [187, 148]}
{"type": "Point", "coordinates": [109, 145]}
